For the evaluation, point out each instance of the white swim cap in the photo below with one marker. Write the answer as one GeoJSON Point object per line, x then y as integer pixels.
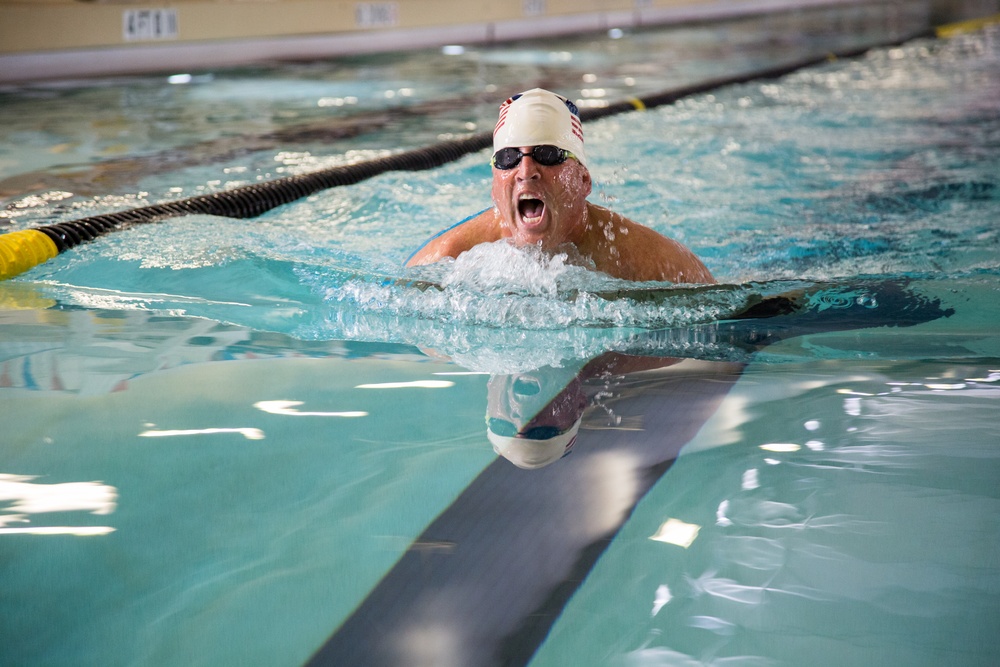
{"type": "Point", "coordinates": [530, 454]}
{"type": "Point", "coordinates": [537, 117]}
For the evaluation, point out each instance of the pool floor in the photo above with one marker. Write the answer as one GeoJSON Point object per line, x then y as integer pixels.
{"type": "Point", "coordinates": [226, 498]}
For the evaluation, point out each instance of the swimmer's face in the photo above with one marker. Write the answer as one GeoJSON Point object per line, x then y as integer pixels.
{"type": "Point", "coordinates": [540, 205]}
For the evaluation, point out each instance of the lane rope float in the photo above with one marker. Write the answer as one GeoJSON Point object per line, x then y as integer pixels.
{"type": "Point", "coordinates": [23, 250]}
{"type": "Point", "coordinates": [20, 251]}
{"type": "Point", "coordinates": [962, 27]}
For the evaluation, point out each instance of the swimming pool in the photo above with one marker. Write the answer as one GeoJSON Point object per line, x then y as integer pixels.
{"type": "Point", "coordinates": [234, 442]}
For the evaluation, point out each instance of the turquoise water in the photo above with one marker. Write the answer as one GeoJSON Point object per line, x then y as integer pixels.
{"type": "Point", "coordinates": [221, 435]}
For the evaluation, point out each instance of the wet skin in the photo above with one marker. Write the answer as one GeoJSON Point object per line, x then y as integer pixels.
{"type": "Point", "coordinates": [546, 206]}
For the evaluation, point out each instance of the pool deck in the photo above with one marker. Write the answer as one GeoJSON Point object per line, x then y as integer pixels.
{"type": "Point", "coordinates": [59, 39]}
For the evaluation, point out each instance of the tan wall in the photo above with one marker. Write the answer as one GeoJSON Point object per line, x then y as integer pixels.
{"type": "Point", "coordinates": [42, 25]}
{"type": "Point", "coordinates": [44, 39]}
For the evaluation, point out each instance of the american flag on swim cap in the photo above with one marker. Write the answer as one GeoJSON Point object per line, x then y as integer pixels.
{"type": "Point", "coordinates": [577, 126]}
{"type": "Point", "coordinates": [503, 112]}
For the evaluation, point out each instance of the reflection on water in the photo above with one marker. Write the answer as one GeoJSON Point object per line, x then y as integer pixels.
{"type": "Point", "coordinates": [248, 433]}
{"type": "Point", "coordinates": [521, 541]}
{"type": "Point", "coordinates": [534, 417]}
{"type": "Point", "coordinates": [269, 541]}
{"type": "Point", "coordinates": [26, 504]}
{"type": "Point", "coordinates": [859, 522]}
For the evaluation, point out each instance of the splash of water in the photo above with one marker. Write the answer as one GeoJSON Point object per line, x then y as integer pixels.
{"type": "Point", "coordinates": [502, 308]}
{"type": "Point", "coordinates": [501, 286]}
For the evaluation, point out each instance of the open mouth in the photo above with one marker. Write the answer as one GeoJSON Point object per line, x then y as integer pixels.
{"type": "Point", "coordinates": [530, 208]}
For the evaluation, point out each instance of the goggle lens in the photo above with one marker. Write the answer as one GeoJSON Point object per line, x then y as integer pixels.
{"type": "Point", "coordinates": [506, 429]}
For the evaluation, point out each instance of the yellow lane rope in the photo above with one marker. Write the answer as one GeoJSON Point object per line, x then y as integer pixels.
{"type": "Point", "coordinates": [20, 251]}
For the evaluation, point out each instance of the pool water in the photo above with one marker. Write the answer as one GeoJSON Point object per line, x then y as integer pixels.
{"type": "Point", "coordinates": [234, 442]}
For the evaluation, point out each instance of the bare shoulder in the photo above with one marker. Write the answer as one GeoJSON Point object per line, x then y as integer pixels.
{"type": "Point", "coordinates": [482, 228]}
{"type": "Point", "coordinates": [634, 251]}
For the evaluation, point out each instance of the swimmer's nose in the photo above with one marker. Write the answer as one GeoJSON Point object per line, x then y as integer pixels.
{"type": "Point", "coordinates": [527, 169]}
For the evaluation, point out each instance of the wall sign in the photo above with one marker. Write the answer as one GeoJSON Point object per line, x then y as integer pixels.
{"type": "Point", "coordinates": [376, 14]}
{"type": "Point", "coordinates": [139, 25]}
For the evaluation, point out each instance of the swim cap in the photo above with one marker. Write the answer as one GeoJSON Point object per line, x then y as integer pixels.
{"type": "Point", "coordinates": [530, 454]}
{"type": "Point", "coordinates": [537, 117]}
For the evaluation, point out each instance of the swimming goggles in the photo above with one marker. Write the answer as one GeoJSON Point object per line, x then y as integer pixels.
{"type": "Point", "coordinates": [506, 429]}
{"type": "Point", "coordinates": [545, 155]}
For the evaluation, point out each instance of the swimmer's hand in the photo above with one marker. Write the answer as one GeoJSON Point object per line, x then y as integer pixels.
{"type": "Point", "coordinates": [772, 306]}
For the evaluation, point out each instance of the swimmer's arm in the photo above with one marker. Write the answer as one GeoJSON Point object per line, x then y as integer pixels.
{"type": "Point", "coordinates": [652, 256]}
{"type": "Point", "coordinates": [458, 239]}
{"type": "Point", "coordinates": [689, 268]}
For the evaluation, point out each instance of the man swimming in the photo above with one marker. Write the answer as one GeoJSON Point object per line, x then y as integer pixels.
{"type": "Point", "coordinates": [540, 189]}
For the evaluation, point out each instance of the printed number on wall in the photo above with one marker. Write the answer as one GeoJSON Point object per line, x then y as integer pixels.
{"type": "Point", "coordinates": [533, 7]}
{"type": "Point", "coordinates": [376, 14]}
{"type": "Point", "coordinates": [149, 24]}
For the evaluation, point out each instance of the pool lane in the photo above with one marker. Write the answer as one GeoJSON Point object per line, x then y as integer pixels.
{"type": "Point", "coordinates": [486, 580]}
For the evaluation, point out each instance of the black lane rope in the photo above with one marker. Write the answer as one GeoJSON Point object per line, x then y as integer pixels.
{"type": "Point", "coordinates": [22, 250]}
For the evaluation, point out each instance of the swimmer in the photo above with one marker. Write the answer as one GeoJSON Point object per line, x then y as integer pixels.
{"type": "Point", "coordinates": [540, 189]}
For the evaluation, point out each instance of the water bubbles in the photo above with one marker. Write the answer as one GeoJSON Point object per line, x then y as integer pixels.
{"type": "Point", "coordinates": [502, 267]}
{"type": "Point", "coordinates": [500, 308]}
{"type": "Point", "coordinates": [867, 301]}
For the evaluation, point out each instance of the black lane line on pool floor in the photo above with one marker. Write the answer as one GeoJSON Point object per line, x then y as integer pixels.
{"type": "Point", "coordinates": [485, 582]}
